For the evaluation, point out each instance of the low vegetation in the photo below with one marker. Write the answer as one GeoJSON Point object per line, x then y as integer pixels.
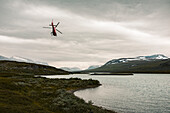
{"type": "Point", "coordinates": [22, 68]}
{"type": "Point", "coordinates": [26, 94]}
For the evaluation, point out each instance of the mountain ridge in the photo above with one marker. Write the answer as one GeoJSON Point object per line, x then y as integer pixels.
{"type": "Point", "coordinates": [21, 59]}
{"type": "Point", "coordinates": [144, 64]}
{"type": "Point", "coordinates": [70, 69]}
{"type": "Point", "coordinates": [148, 58]}
{"type": "Point", "coordinates": [23, 68]}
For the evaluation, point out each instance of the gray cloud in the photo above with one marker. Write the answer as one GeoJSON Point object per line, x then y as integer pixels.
{"type": "Point", "coordinates": [93, 31]}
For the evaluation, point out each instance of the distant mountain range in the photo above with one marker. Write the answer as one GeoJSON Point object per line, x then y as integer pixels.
{"type": "Point", "coordinates": [70, 69]}
{"type": "Point", "coordinates": [139, 58]}
{"type": "Point", "coordinates": [93, 67]}
{"type": "Point", "coordinates": [75, 69]}
{"type": "Point", "coordinates": [21, 59]}
{"type": "Point", "coordinates": [142, 64]}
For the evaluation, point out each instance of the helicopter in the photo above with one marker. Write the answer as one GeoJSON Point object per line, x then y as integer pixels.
{"type": "Point", "coordinates": [54, 29]}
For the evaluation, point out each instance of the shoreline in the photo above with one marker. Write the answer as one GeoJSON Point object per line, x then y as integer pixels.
{"type": "Point", "coordinates": [110, 73]}
{"type": "Point", "coordinates": [72, 91]}
{"type": "Point", "coordinates": [77, 89]}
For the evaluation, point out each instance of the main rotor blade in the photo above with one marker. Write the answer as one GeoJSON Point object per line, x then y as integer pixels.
{"type": "Point", "coordinates": [57, 24]}
{"type": "Point", "coordinates": [59, 31]}
{"type": "Point", "coordinates": [47, 27]}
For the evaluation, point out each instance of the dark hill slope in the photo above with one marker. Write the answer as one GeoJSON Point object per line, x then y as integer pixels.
{"type": "Point", "coordinates": [22, 68]}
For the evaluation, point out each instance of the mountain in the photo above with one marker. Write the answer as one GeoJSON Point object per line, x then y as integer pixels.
{"type": "Point", "coordinates": [93, 67]}
{"type": "Point", "coordinates": [142, 64]}
{"type": "Point", "coordinates": [75, 69]}
{"type": "Point", "coordinates": [71, 69]}
{"type": "Point", "coordinates": [139, 58]}
{"type": "Point", "coordinates": [21, 59]}
{"type": "Point", "coordinates": [3, 58]}
{"type": "Point", "coordinates": [22, 68]}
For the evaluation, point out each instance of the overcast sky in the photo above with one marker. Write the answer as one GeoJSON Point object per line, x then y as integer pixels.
{"type": "Point", "coordinates": [94, 31]}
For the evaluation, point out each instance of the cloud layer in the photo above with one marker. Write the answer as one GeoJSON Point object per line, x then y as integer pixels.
{"type": "Point", "coordinates": [93, 31]}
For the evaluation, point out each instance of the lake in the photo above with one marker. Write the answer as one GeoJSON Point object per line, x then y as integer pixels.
{"type": "Point", "coordinates": [139, 93]}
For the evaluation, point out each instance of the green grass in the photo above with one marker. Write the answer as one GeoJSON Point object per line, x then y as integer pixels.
{"type": "Point", "coordinates": [27, 94]}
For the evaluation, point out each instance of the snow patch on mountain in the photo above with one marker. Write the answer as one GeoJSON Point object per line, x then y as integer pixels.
{"type": "Point", "coordinates": [152, 57]}
{"type": "Point", "coordinates": [3, 58]}
{"type": "Point", "coordinates": [21, 59]}
{"type": "Point", "coordinates": [17, 58]}
{"type": "Point", "coordinates": [145, 58]}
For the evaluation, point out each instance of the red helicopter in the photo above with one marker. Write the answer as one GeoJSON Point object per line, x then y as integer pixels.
{"type": "Point", "coordinates": [54, 29]}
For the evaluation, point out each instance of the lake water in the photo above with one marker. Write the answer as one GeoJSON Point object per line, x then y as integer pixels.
{"type": "Point", "coordinates": [141, 93]}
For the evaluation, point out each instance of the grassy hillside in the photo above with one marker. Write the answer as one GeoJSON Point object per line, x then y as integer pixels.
{"type": "Point", "coordinates": [155, 66]}
{"type": "Point", "coordinates": [21, 68]}
{"type": "Point", "coordinates": [27, 94]}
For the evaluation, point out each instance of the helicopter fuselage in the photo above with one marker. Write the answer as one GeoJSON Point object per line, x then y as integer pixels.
{"type": "Point", "coordinates": [54, 31]}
